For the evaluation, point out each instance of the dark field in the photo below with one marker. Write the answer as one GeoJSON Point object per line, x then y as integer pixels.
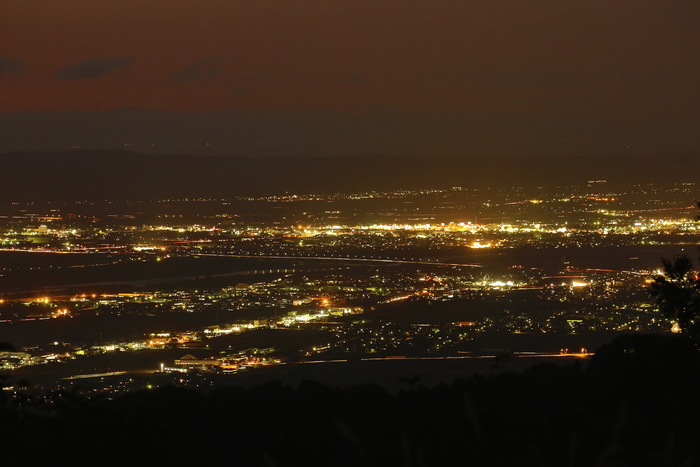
{"type": "Point", "coordinates": [43, 271]}
{"type": "Point", "coordinates": [430, 370]}
{"type": "Point", "coordinates": [391, 374]}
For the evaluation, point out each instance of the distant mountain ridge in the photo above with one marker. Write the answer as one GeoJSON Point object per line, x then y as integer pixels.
{"type": "Point", "coordinates": [115, 174]}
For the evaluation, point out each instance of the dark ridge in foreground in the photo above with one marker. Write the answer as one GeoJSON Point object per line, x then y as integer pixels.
{"type": "Point", "coordinates": [636, 404]}
{"type": "Point", "coordinates": [122, 175]}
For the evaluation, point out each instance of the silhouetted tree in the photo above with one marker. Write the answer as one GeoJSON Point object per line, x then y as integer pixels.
{"type": "Point", "coordinates": [677, 293]}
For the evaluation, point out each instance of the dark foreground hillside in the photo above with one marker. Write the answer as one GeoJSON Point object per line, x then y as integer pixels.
{"type": "Point", "coordinates": [635, 405]}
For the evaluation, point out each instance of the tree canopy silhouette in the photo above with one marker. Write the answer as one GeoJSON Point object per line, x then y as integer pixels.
{"type": "Point", "coordinates": [677, 293]}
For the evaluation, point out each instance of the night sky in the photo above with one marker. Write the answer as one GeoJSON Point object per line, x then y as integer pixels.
{"type": "Point", "coordinates": [504, 78]}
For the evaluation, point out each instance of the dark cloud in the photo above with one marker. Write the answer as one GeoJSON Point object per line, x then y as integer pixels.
{"type": "Point", "coordinates": [7, 65]}
{"type": "Point", "coordinates": [260, 76]}
{"type": "Point", "coordinates": [93, 67]}
{"type": "Point", "coordinates": [356, 79]}
{"type": "Point", "coordinates": [242, 92]}
{"type": "Point", "coordinates": [201, 70]}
